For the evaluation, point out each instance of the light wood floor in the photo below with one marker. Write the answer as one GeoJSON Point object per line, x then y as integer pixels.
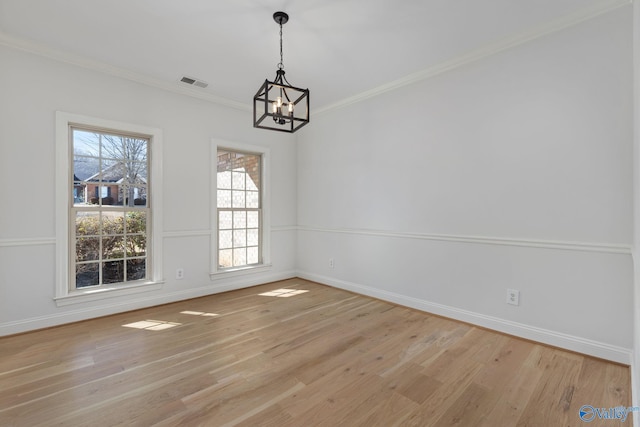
{"type": "Point", "coordinates": [322, 357]}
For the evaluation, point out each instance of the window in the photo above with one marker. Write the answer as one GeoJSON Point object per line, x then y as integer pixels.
{"type": "Point", "coordinates": [109, 230]}
{"type": "Point", "coordinates": [108, 235]}
{"type": "Point", "coordinates": [241, 217]}
{"type": "Point", "coordinates": [239, 209]}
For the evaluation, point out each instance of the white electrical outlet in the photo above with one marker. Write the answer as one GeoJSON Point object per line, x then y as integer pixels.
{"type": "Point", "coordinates": [180, 273]}
{"type": "Point", "coordinates": [332, 264]}
{"type": "Point", "coordinates": [513, 297]}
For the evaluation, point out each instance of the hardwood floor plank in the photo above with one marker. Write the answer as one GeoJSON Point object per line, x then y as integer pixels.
{"type": "Point", "coordinates": [512, 398]}
{"type": "Point", "coordinates": [508, 357]}
{"type": "Point", "coordinates": [322, 357]}
{"type": "Point", "coordinates": [550, 402]}
{"type": "Point", "coordinates": [272, 416]}
{"type": "Point", "coordinates": [337, 404]}
{"type": "Point", "coordinates": [385, 409]}
{"type": "Point", "coordinates": [471, 406]}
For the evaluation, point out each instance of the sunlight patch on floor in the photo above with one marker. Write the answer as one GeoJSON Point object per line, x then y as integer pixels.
{"type": "Point", "coordinates": [199, 313]}
{"type": "Point", "coordinates": [152, 325]}
{"type": "Point", "coordinates": [283, 293]}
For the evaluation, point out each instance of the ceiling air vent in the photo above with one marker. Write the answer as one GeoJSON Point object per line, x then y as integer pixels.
{"type": "Point", "coordinates": [194, 82]}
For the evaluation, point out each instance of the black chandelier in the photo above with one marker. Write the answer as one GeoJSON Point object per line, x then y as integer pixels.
{"type": "Point", "coordinates": [288, 106]}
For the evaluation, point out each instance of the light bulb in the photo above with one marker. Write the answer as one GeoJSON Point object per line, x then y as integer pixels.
{"type": "Point", "coordinates": [290, 107]}
{"type": "Point", "coordinates": [279, 101]}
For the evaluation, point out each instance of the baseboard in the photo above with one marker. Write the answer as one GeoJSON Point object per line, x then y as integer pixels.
{"type": "Point", "coordinates": [543, 336]}
{"type": "Point", "coordinates": [146, 301]}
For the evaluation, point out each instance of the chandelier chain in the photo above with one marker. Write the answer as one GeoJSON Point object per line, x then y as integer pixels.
{"type": "Point", "coordinates": [281, 64]}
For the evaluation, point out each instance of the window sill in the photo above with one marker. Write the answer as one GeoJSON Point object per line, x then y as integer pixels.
{"type": "Point", "coordinates": [97, 294]}
{"type": "Point", "coordinates": [225, 274]}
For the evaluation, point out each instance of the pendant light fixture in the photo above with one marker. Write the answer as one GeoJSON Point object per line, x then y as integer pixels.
{"type": "Point", "coordinates": [277, 105]}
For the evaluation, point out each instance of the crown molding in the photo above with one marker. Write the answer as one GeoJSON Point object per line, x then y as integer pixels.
{"type": "Point", "coordinates": [102, 67]}
{"type": "Point", "coordinates": [485, 51]}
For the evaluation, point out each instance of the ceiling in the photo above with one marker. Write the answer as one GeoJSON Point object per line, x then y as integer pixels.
{"type": "Point", "coordinates": [337, 48]}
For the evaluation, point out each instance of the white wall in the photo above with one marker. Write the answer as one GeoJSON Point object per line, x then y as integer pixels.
{"type": "Point", "coordinates": [514, 171]}
{"type": "Point", "coordinates": [32, 89]}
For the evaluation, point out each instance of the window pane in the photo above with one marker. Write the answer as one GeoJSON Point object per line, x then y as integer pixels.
{"type": "Point", "coordinates": [87, 275]}
{"type": "Point", "coordinates": [253, 237]}
{"type": "Point", "coordinates": [85, 167]}
{"type": "Point", "coordinates": [87, 249]}
{"type": "Point", "coordinates": [225, 239]}
{"type": "Point", "coordinates": [135, 172]}
{"type": "Point", "coordinates": [136, 222]}
{"type": "Point", "coordinates": [120, 194]}
{"type": "Point", "coordinates": [224, 161]}
{"type": "Point", "coordinates": [121, 147]}
{"type": "Point", "coordinates": [238, 180]}
{"type": "Point", "coordinates": [138, 173]}
{"type": "Point", "coordinates": [139, 195]}
{"type": "Point", "coordinates": [224, 198]}
{"type": "Point", "coordinates": [112, 222]}
{"type": "Point", "coordinates": [253, 219]}
{"type": "Point", "coordinates": [239, 257]}
{"type": "Point", "coordinates": [136, 245]}
{"type": "Point", "coordinates": [136, 149]}
{"type": "Point", "coordinates": [238, 199]}
{"type": "Point", "coordinates": [92, 191]}
{"type": "Point", "coordinates": [136, 269]}
{"type": "Point", "coordinates": [103, 188]}
{"type": "Point", "coordinates": [86, 143]}
{"type": "Point", "coordinates": [239, 238]}
{"type": "Point", "coordinates": [253, 199]}
{"type": "Point", "coordinates": [240, 219]}
{"type": "Point", "coordinates": [252, 255]}
{"type": "Point", "coordinates": [225, 258]}
{"type": "Point", "coordinates": [225, 220]}
{"type": "Point", "coordinates": [108, 195]}
{"type": "Point", "coordinates": [78, 193]}
{"type": "Point", "coordinates": [252, 167]}
{"type": "Point", "coordinates": [124, 196]}
{"type": "Point", "coordinates": [113, 171]}
{"type": "Point", "coordinates": [112, 247]}
{"type": "Point", "coordinates": [253, 183]}
{"type": "Point", "coordinates": [224, 180]}
{"type": "Point", "coordinates": [112, 272]}
{"type": "Point", "coordinates": [87, 223]}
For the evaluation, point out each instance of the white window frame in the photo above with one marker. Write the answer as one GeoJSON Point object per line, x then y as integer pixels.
{"type": "Point", "coordinates": [265, 232]}
{"type": "Point", "coordinates": [64, 168]}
